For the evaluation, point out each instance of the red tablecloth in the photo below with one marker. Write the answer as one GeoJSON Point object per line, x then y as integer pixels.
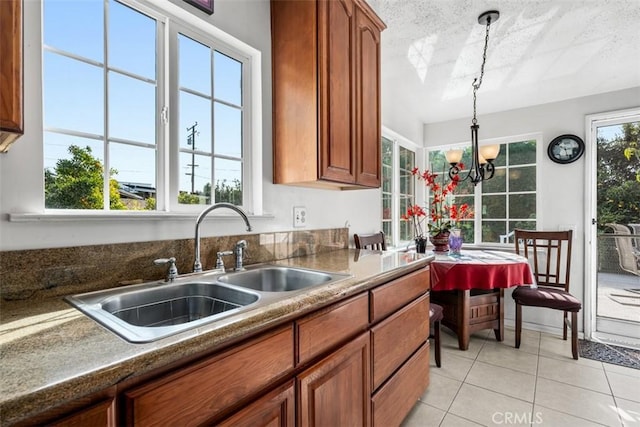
{"type": "Point", "coordinates": [479, 270]}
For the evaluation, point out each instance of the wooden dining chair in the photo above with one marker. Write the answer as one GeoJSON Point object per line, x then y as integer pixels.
{"type": "Point", "coordinates": [374, 241]}
{"type": "Point", "coordinates": [377, 241]}
{"type": "Point", "coordinates": [549, 253]}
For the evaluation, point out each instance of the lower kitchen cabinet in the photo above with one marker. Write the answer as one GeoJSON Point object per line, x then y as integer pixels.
{"type": "Point", "coordinates": [337, 390]}
{"type": "Point", "coordinates": [361, 361]}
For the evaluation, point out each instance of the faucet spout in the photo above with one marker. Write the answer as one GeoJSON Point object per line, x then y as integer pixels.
{"type": "Point", "coordinates": [197, 265]}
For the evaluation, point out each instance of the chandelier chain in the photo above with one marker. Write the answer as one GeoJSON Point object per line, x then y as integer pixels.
{"type": "Point", "coordinates": [478, 81]}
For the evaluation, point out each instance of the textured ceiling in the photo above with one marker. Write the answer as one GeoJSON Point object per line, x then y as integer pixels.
{"type": "Point", "coordinates": [539, 51]}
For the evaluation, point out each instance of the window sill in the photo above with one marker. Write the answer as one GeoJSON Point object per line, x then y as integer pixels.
{"type": "Point", "coordinates": [119, 216]}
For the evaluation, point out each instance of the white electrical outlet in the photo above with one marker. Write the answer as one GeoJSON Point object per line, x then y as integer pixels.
{"type": "Point", "coordinates": [299, 216]}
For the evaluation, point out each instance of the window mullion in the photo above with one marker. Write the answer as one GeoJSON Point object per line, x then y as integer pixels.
{"type": "Point", "coordinates": [105, 70]}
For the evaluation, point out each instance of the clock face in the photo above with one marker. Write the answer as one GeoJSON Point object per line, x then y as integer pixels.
{"type": "Point", "coordinates": [565, 149]}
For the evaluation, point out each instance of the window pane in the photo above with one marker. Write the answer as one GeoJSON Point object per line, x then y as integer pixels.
{"type": "Point", "coordinates": [228, 130]}
{"type": "Point", "coordinates": [132, 109]}
{"type": "Point", "coordinates": [497, 184]}
{"type": "Point", "coordinates": [195, 110]}
{"type": "Point", "coordinates": [132, 41]}
{"type": "Point", "coordinates": [228, 175]}
{"type": "Point", "coordinates": [501, 160]}
{"type": "Point", "coordinates": [407, 159]}
{"type": "Point", "coordinates": [73, 172]}
{"type": "Point", "coordinates": [387, 152]}
{"type": "Point", "coordinates": [133, 164]}
{"type": "Point", "coordinates": [522, 178]}
{"type": "Point", "coordinates": [522, 206]}
{"type": "Point", "coordinates": [73, 95]}
{"type": "Point", "coordinates": [492, 230]}
{"type": "Point", "coordinates": [194, 65]}
{"type": "Point", "coordinates": [386, 228]}
{"type": "Point", "coordinates": [494, 206]}
{"type": "Point", "coordinates": [521, 153]}
{"type": "Point", "coordinates": [438, 161]}
{"type": "Point", "coordinates": [56, 146]}
{"type": "Point", "coordinates": [386, 206]}
{"type": "Point", "coordinates": [75, 26]}
{"type": "Point", "coordinates": [386, 178]}
{"type": "Point", "coordinates": [195, 178]}
{"type": "Point", "coordinates": [134, 169]}
{"type": "Point", "coordinates": [467, 230]}
{"type": "Point", "coordinates": [227, 78]}
{"type": "Point", "coordinates": [464, 187]}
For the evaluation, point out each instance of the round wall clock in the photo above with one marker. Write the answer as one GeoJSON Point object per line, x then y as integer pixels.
{"type": "Point", "coordinates": [565, 149]}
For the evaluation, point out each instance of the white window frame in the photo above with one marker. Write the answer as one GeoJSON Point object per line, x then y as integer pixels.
{"type": "Point", "coordinates": [166, 13]}
{"type": "Point", "coordinates": [400, 141]}
{"type": "Point", "coordinates": [477, 195]}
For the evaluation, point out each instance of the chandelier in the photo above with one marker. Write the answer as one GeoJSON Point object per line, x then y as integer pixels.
{"type": "Point", "coordinates": [482, 158]}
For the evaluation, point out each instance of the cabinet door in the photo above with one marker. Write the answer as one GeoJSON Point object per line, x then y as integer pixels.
{"type": "Point", "coordinates": [336, 73]}
{"type": "Point", "coordinates": [367, 122]}
{"type": "Point", "coordinates": [275, 409]}
{"type": "Point", "coordinates": [11, 120]}
{"type": "Point", "coordinates": [337, 390]}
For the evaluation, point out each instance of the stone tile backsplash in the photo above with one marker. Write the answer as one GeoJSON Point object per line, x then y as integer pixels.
{"type": "Point", "coordinates": [47, 273]}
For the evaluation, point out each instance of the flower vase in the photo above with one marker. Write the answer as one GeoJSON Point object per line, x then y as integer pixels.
{"type": "Point", "coordinates": [455, 241]}
{"type": "Point", "coordinates": [440, 241]}
{"type": "Point", "coordinates": [421, 245]}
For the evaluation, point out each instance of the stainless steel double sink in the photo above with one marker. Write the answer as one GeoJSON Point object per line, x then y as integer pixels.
{"type": "Point", "coordinates": [154, 310]}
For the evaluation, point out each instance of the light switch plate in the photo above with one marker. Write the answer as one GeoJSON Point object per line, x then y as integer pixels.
{"type": "Point", "coordinates": [299, 216]}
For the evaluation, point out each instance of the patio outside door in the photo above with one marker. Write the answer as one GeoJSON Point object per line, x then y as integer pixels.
{"type": "Point", "coordinates": [614, 143]}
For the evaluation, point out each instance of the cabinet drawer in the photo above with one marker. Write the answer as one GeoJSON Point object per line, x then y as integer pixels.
{"type": "Point", "coordinates": [275, 409]}
{"type": "Point", "coordinates": [196, 394]}
{"type": "Point", "coordinates": [326, 328]}
{"type": "Point", "coordinates": [392, 403]}
{"type": "Point", "coordinates": [388, 298]}
{"type": "Point", "coordinates": [397, 337]}
{"type": "Point", "coordinates": [100, 414]}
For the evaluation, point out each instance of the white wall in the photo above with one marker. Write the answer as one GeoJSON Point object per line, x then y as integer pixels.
{"type": "Point", "coordinates": [561, 188]}
{"type": "Point", "coordinates": [21, 180]}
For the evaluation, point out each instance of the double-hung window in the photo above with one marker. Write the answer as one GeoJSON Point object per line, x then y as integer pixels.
{"type": "Point", "coordinates": [141, 110]}
{"type": "Point", "coordinates": [503, 203]}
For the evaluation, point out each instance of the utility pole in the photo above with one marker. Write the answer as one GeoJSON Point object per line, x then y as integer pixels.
{"type": "Point", "coordinates": [191, 140]}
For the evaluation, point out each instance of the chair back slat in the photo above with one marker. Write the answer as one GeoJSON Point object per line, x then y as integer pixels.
{"type": "Point", "coordinates": [374, 241]}
{"type": "Point", "coordinates": [549, 253]}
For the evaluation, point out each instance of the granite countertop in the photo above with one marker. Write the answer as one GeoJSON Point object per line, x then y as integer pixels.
{"type": "Point", "coordinates": [52, 353]}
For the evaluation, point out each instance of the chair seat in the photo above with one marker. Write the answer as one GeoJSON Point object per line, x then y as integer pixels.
{"type": "Point", "coordinates": [556, 299]}
{"type": "Point", "coordinates": [435, 313]}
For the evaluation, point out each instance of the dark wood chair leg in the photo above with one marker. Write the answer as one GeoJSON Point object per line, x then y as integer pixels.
{"type": "Point", "coordinates": [574, 334]}
{"type": "Point", "coordinates": [436, 336]}
{"type": "Point", "coordinates": [518, 324]}
{"type": "Point", "coordinates": [564, 326]}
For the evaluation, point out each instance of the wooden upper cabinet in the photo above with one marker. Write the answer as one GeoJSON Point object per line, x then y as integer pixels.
{"type": "Point", "coordinates": [11, 110]}
{"type": "Point", "coordinates": [326, 93]}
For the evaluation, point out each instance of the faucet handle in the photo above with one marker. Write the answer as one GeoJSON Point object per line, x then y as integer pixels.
{"type": "Point", "coordinates": [220, 261]}
{"type": "Point", "coordinates": [173, 270]}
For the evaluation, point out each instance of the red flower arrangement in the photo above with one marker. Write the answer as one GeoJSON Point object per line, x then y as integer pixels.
{"type": "Point", "coordinates": [443, 214]}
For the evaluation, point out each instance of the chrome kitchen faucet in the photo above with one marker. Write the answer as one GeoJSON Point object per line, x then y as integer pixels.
{"type": "Point", "coordinates": [197, 265]}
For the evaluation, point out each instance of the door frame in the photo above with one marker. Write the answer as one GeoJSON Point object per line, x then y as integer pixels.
{"type": "Point", "coordinates": [592, 121]}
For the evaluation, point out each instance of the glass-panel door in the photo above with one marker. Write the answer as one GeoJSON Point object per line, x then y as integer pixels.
{"type": "Point", "coordinates": [616, 288]}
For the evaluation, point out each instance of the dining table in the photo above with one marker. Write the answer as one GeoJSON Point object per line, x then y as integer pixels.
{"type": "Point", "coordinates": [470, 287]}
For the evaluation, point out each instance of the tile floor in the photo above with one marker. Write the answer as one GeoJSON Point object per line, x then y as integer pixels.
{"type": "Point", "coordinates": [539, 384]}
